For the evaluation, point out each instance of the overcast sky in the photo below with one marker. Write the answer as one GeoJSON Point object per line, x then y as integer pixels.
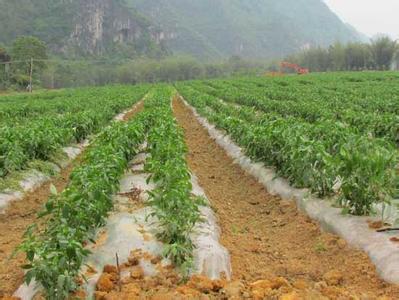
{"type": "Point", "coordinates": [369, 16]}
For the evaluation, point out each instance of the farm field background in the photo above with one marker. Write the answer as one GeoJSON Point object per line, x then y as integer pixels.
{"type": "Point", "coordinates": [335, 134]}
{"type": "Point", "coordinates": [331, 133]}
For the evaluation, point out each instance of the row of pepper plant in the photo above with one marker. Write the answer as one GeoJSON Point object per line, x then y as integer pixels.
{"type": "Point", "coordinates": [55, 252]}
{"type": "Point", "coordinates": [299, 104]}
{"type": "Point", "coordinates": [320, 156]}
{"type": "Point", "coordinates": [174, 206]}
{"type": "Point", "coordinates": [58, 122]}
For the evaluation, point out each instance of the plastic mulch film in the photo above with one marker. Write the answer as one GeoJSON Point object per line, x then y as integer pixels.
{"type": "Point", "coordinates": [130, 227]}
{"type": "Point", "coordinates": [383, 253]}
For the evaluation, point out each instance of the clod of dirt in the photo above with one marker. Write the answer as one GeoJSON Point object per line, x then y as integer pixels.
{"type": "Point", "coordinates": [341, 243]}
{"type": "Point", "coordinates": [188, 291]}
{"type": "Point", "coordinates": [260, 294]}
{"type": "Point", "coordinates": [152, 282]}
{"type": "Point", "coordinates": [201, 283]}
{"type": "Point", "coordinates": [376, 224]}
{"type": "Point", "coordinates": [156, 260]}
{"type": "Point", "coordinates": [300, 284]}
{"type": "Point", "coordinates": [163, 296]}
{"type": "Point", "coordinates": [290, 296]}
{"type": "Point", "coordinates": [285, 206]}
{"type": "Point", "coordinates": [132, 289]}
{"type": "Point", "coordinates": [272, 284]}
{"type": "Point", "coordinates": [233, 290]}
{"type": "Point", "coordinates": [137, 273]}
{"type": "Point", "coordinates": [261, 284]}
{"type": "Point", "coordinates": [218, 284]}
{"type": "Point", "coordinates": [133, 261]}
{"type": "Point", "coordinates": [110, 269]}
{"type": "Point", "coordinates": [100, 295]}
{"type": "Point", "coordinates": [320, 285]}
{"type": "Point", "coordinates": [333, 277]}
{"type": "Point", "coordinates": [261, 288]}
{"type": "Point", "coordinates": [105, 283]}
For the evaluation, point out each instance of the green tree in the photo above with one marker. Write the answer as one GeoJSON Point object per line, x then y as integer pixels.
{"type": "Point", "coordinates": [383, 50]}
{"type": "Point", "coordinates": [4, 57]}
{"type": "Point", "coordinates": [23, 49]}
{"type": "Point", "coordinates": [337, 57]}
{"type": "Point", "coordinates": [357, 56]}
{"type": "Point", "coordinates": [395, 65]}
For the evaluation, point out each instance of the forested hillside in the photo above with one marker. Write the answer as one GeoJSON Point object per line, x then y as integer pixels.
{"type": "Point", "coordinates": [203, 28]}
{"type": "Point", "coordinates": [81, 27]}
{"type": "Point", "coordinates": [256, 28]}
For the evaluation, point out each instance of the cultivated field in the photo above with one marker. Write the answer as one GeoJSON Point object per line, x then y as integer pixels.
{"type": "Point", "coordinates": [153, 205]}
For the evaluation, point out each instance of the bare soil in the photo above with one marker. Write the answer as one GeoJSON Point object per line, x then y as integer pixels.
{"type": "Point", "coordinates": [136, 108]}
{"type": "Point", "coordinates": [18, 216]}
{"type": "Point", "coordinates": [276, 251]}
{"type": "Point", "coordinates": [268, 237]}
{"type": "Point", "coordinates": [21, 214]}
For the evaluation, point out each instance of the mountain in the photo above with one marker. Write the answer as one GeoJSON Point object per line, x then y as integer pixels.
{"type": "Point", "coordinates": [81, 27]}
{"type": "Point", "coordinates": [207, 29]}
{"type": "Point", "coordinates": [249, 28]}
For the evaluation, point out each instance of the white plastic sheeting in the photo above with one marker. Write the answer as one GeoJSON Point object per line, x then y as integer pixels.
{"type": "Point", "coordinates": [210, 257]}
{"type": "Point", "coordinates": [125, 232]}
{"type": "Point", "coordinates": [32, 180]}
{"type": "Point", "coordinates": [383, 253]}
{"type": "Point", "coordinates": [130, 228]}
{"type": "Point", "coordinates": [122, 115]}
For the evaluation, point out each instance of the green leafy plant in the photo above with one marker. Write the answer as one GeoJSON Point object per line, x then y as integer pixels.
{"type": "Point", "coordinates": [56, 252]}
{"type": "Point", "coordinates": [36, 127]}
{"type": "Point", "coordinates": [307, 140]}
{"type": "Point", "coordinates": [174, 206]}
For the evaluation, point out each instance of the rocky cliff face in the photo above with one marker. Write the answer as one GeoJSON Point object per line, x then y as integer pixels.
{"type": "Point", "coordinates": [104, 24]}
{"type": "Point", "coordinates": [248, 28]}
{"type": "Point", "coordinates": [207, 29]}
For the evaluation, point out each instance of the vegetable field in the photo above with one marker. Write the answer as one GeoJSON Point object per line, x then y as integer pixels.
{"type": "Point", "coordinates": [319, 133]}
{"type": "Point", "coordinates": [34, 129]}
{"type": "Point", "coordinates": [163, 175]}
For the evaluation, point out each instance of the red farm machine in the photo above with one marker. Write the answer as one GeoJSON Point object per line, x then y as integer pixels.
{"type": "Point", "coordinates": [284, 65]}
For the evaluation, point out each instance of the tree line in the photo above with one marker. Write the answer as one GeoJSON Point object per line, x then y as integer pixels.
{"type": "Point", "coordinates": [16, 63]}
{"type": "Point", "coordinates": [55, 72]}
{"type": "Point", "coordinates": [382, 53]}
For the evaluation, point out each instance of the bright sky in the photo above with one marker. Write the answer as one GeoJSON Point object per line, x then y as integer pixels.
{"type": "Point", "coordinates": [370, 17]}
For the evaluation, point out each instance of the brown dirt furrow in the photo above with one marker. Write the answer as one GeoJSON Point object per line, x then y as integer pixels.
{"type": "Point", "coordinates": [267, 237]}
{"type": "Point", "coordinates": [136, 108]}
{"type": "Point", "coordinates": [21, 214]}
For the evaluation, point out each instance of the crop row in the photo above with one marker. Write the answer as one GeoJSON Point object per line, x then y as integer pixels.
{"type": "Point", "coordinates": [318, 155]}
{"type": "Point", "coordinates": [40, 138]}
{"type": "Point", "coordinates": [21, 109]}
{"type": "Point", "coordinates": [175, 208]}
{"type": "Point", "coordinates": [382, 125]}
{"type": "Point", "coordinates": [56, 253]}
{"type": "Point", "coordinates": [366, 92]}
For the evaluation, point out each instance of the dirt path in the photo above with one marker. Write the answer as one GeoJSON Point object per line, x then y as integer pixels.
{"type": "Point", "coordinates": [267, 236]}
{"type": "Point", "coordinates": [20, 214]}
